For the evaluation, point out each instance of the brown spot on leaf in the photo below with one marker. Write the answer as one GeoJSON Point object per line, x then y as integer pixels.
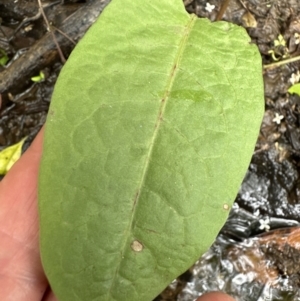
{"type": "Point", "coordinates": [136, 246]}
{"type": "Point", "coordinates": [137, 194]}
{"type": "Point", "coordinates": [173, 70]}
{"type": "Point", "coordinates": [225, 206]}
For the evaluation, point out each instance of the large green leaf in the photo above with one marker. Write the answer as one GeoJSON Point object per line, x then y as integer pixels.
{"type": "Point", "coordinates": [151, 129]}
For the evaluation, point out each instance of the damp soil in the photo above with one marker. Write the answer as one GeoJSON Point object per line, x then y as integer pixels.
{"type": "Point", "coordinates": [256, 255]}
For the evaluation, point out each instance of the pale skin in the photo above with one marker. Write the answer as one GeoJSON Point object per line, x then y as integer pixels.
{"type": "Point", "coordinates": [21, 273]}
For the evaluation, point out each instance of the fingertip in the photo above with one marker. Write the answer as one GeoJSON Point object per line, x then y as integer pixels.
{"type": "Point", "coordinates": [215, 296]}
{"type": "Point", "coordinates": [37, 143]}
{"type": "Point", "coordinates": [26, 168]}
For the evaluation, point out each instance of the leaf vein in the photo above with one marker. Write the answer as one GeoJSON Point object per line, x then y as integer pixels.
{"type": "Point", "coordinates": [170, 82]}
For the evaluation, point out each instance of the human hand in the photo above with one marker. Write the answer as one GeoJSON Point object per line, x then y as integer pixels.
{"type": "Point", "coordinates": [21, 273]}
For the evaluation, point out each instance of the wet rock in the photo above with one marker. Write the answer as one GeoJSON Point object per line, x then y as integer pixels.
{"type": "Point", "coordinates": [269, 187]}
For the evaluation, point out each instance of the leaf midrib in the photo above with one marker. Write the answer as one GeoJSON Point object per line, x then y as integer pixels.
{"type": "Point", "coordinates": [162, 108]}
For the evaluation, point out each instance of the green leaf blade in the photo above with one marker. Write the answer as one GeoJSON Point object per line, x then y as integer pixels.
{"type": "Point", "coordinates": [143, 149]}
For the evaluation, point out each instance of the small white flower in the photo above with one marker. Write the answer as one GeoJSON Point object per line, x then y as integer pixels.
{"type": "Point", "coordinates": [256, 213]}
{"type": "Point", "coordinates": [295, 77]}
{"type": "Point", "coordinates": [280, 41]}
{"type": "Point", "coordinates": [235, 206]}
{"type": "Point", "coordinates": [277, 118]}
{"type": "Point", "coordinates": [209, 7]}
{"type": "Point", "coordinates": [264, 224]}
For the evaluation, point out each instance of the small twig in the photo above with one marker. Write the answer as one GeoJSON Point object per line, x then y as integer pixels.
{"type": "Point", "coordinates": [63, 34]}
{"type": "Point", "coordinates": [244, 5]}
{"type": "Point", "coordinates": [49, 30]}
{"type": "Point", "coordinates": [3, 33]}
{"type": "Point", "coordinates": [222, 10]}
{"type": "Point", "coordinates": [32, 18]}
{"type": "Point", "coordinates": [26, 20]}
{"type": "Point", "coordinates": [43, 53]}
{"type": "Point", "coordinates": [280, 63]}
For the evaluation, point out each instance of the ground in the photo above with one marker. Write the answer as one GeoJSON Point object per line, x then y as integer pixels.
{"type": "Point", "coordinates": [270, 195]}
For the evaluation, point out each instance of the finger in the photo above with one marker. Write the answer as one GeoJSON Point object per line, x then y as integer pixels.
{"type": "Point", "coordinates": [215, 296]}
{"type": "Point", "coordinates": [21, 273]}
